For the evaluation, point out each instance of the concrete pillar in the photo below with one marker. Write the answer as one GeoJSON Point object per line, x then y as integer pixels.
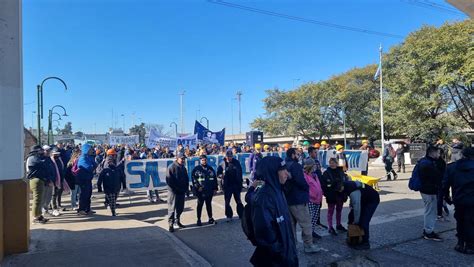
{"type": "Point", "coordinates": [14, 196]}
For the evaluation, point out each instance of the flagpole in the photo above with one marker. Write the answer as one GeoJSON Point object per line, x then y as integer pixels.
{"type": "Point", "coordinates": [381, 101]}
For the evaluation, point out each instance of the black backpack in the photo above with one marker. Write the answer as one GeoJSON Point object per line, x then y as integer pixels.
{"type": "Point", "coordinates": [247, 224]}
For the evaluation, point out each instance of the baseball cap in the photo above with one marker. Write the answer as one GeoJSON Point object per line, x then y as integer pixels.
{"type": "Point", "coordinates": [229, 153]}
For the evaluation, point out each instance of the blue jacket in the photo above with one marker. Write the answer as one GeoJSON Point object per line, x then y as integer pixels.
{"type": "Point", "coordinates": [86, 164]}
{"type": "Point", "coordinates": [296, 188]}
{"type": "Point", "coordinates": [275, 242]}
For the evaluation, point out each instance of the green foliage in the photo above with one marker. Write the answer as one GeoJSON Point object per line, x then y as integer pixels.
{"type": "Point", "coordinates": [67, 130]}
{"type": "Point", "coordinates": [139, 130]}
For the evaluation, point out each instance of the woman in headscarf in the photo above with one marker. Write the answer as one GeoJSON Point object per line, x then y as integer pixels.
{"type": "Point", "coordinates": [275, 242]}
{"type": "Point", "coordinates": [86, 166]}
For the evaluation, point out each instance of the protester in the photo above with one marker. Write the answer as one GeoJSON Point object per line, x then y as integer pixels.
{"type": "Point", "coordinates": [205, 186]}
{"type": "Point", "coordinates": [150, 193]}
{"type": "Point", "coordinates": [430, 177]}
{"type": "Point", "coordinates": [331, 183]}
{"type": "Point", "coordinates": [254, 158]}
{"type": "Point", "coordinates": [37, 174]}
{"type": "Point", "coordinates": [48, 191]}
{"type": "Point", "coordinates": [363, 201]}
{"type": "Point", "coordinates": [275, 239]}
{"type": "Point", "coordinates": [85, 172]}
{"type": "Point", "coordinates": [456, 149]}
{"type": "Point", "coordinates": [400, 152]}
{"type": "Point", "coordinates": [315, 193]}
{"type": "Point", "coordinates": [388, 158]}
{"type": "Point", "coordinates": [365, 147]}
{"type": "Point", "coordinates": [110, 179]}
{"type": "Point", "coordinates": [341, 158]}
{"type": "Point", "coordinates": [459, 178]}
{"type": "Point", "coordinates": [297, 197]}
{"type": "Point", "coordinates": [313, 154]}
{"type": "Point", "coordinates": [60, 185]}
{"type": "Point", "coordinates": [71, 179]}
{"type": "Point", "coordinates": [440, 204]}
{"type": "Point", "coordinates": [230, 171]}
{"type": "Point", "coordinates": [177, 181]}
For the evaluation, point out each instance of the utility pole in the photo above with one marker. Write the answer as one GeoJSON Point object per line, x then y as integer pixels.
{"type": "Point", "coordinates": [181, 95]}
{"type": "Point", "coordinates": [381, 103]}
{"type": "Point", "coordinates": [232, 114]}
{"type": "Point", "coordinates": [239, 98]}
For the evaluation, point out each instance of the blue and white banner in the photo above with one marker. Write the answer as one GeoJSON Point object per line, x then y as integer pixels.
{"type": "Point", "coordinates": [206, 136]}
{"type": "Point", "coordinates": [151, 173]}
{"type": "Point", "coordinates": [172, 143]}
{"type": "Point", "coordinates": [130, 140]}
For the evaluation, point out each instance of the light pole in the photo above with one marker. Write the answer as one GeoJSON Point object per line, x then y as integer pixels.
{"type": "Point", "coordinates": [207, 122]}
{"type": "Point", "coordinates": [239, 98]}
{"type": "Point", "coordinates": [39, 89]}
{"type": "Point", "coordinates": [344, 125]}
{"type": "Point", "coordinates": [175, 128]}
{"type": "Point", "coordinates": [50, 122]}
{"type": "Point", "coordinates": [181, 95]}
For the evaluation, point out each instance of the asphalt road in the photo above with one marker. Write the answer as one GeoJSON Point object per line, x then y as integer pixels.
{"type": "Point", "coordinates": [396, 232]}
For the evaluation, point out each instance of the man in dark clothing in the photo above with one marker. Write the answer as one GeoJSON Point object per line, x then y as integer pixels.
{"type": "Point", "coordinates": [364, 202]}
{"type": "Point", "coordinates": [274, 238]}
{"type": "Point", "coordinates": [110, 178]}
{"type": "Point", "coordinates": [460, 178]}
{"type": "Point", "coordinates": [86, 166]}
{"type": "Point", "coordinates": [59, 187]}
{"type": "Point", "coordinates": [177, 180]}
{"type": "Point", "coordinates": [49, 185]}
{"type": "Point", "coordinates": [37, 175]}
{"type": "Point", "coordinates": [430, 177]}
{"type": "Point", "coordinates": [401, 157]}
{"type": "Point", "coordinates": [205, 186]}
{"type": "Point", "coordinates": [297, 197]}
{"type": "Point", "coordinates": [231, 173]}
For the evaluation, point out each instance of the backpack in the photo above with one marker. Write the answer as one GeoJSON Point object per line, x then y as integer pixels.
{"type": "Point", "coordinates": [247, 225]}
{"type": "Point", "coordinates": [75, 168]}
{"type": "Point", "coordinates": [415, 182]}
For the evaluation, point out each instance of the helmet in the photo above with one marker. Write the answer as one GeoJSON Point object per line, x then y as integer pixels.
{"type": "Point", "coordinates": [287, 145]}
{"type": "Point", "coordinates": [111, 152]}
{"type": "Point", "coordinates": [338, 147]}
{"type": "Point", "coordinates": [324, 143]}
{"type": "Point", "coordinates": [258, 146]}
{"type": "Point", "coordinates": [365, 142]}
{"type": "Point", "coordinates": [266, 147]}
{"type": "Point", "coordinates": [317, 145]}
{"type": "Point", "coordinates": [306, 143]}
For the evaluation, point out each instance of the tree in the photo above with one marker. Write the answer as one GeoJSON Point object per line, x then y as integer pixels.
{"type": "Point", "coordinates": [427, 83]}
{"type": "Point", "coordinates": [140, 131]}
{"type": "Point", "coordinates": [67, 130]}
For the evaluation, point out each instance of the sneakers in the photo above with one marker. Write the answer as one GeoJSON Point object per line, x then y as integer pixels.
{"type": "Point", "coordinates": [432, 236]}
{"type": "Point", "coordinates": [82, 213]}
{"type": "Point", "coordinates": [171, 228]}
{"type": "Point", "coordinates": [332, 231]}
{"type": "Point", "coordinates": [40, 220]}
{"type": "Point", "coordinates": [212, 221]}
{"type": "Point", "coordinates": [114, 213]}
{"type": "Point", "coordinates": [316, 236]}
{"type": "Point", "coordinates": [56, 213]}
{"type": "Point", "coordinates": [180, 225]}
{"type": "Point", "coordinates": [341, 228]}
{"type": "Point", "coordinates": [311, 248]}
{"type": "Point", "coordinates": [199, 223]}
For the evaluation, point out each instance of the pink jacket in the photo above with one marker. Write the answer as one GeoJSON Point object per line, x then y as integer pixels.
{"type": "Point", "coordinates": [315, 191]}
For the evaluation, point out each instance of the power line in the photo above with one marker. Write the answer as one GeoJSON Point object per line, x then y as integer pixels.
{"type": "Point", "coordinates": [432, 6]}
{"type": "Point", "coordinates": [301, 19]}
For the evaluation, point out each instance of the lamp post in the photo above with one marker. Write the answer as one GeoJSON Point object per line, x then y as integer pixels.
{"type": "Point", "coordinates": [207, 122]}
{"type": "Point", "coordinates": [50, 123]}
{"type": "Point", "coordinates": [39, 112]}
{"type": "Point", "coordinates": [175, 127]}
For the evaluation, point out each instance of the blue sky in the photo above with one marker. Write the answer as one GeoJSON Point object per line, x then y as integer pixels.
{"type": "Point", "coordinates": [134, 57]}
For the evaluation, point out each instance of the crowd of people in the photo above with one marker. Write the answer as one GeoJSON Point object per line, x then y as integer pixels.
{"type": "Point", "coordinates": [281, 193]}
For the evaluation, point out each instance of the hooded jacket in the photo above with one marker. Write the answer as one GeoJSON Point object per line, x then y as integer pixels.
{"type": "Point", "coordinates": [110, 178]}
{"type": "Point", "coordinates": [430, 176]}
{"type": "Point", "coordinates": [86, 164]}
{"type": "Point", "coordinates": [275, 242]}
{"type": "Point", "coordinates": [296, 188]}
{"type": "Point", "coordinates": [460, 177]}
{"type": "Point", "coordinates": [177, 178]}
{"type": "Point", "coordinates": [232, 174]}
{"type": "Point", "coordinates": [36, 166]}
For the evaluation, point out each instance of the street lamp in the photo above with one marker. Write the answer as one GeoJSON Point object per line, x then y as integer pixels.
{"type": "Point", "coordinates": [50, 119]}
{"type": "Point", "coordinates": [59, 116]}
{"type": "Point", "coordinates": [175, 127]}
{"type": "Point", "coordinates": [39, 89]}
{"type": "Point", "coordinates": [207, 122]}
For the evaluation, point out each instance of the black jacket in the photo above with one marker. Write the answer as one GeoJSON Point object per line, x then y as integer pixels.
{"type": "Point", "coordinates": [110, 178]}
{"type": "Point", "coordinates": [460, 177]}
{"type": "Point", "coordinates": [70, 178]}
{"type": "Point", "coordinates": [177, 178]}
{"type": "Point", "coordinates": [204, 177]}
{"type": "Point", "coordinates": [296, 188]}
{"type": "Point", "coordinates": [430, 175]}
{"type": "Point", "coordinates": [50, 169]}
{"type": "Point", "coordinates": [232, 174]}
{"type": "Point", "coordinates": [36, 167]}
{"type": "Point", "coordinates": [331, 183]}
{"type": "Point", "coordinates": [271, 219]}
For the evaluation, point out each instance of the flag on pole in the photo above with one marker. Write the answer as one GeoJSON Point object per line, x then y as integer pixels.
{"type": "Point", "coordinates": [378, 72]}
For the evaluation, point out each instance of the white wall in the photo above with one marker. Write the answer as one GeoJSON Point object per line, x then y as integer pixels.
{"type": "Point", "coordinates": [11, 91]}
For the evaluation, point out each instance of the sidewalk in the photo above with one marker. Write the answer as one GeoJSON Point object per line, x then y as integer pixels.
{"type": "Point", "coordinates": [71, 240]}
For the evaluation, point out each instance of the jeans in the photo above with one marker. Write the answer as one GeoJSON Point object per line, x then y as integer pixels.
{"type": "Point", "coordinates": [74, 193]}
{"type": "Point", "coordinates": [228, 193]}
{"type": "Point", "coordinates": [430, 202]}
{"type": "Point", "coordinates": [367, 211]}
{"type": "Point", "coordinates": [57, 198]}
{"type": "Point", "coordinates": [37, 188]}
{"type": "Point", "coordinates": [47, 197]}
{"type": "Point", "coordinates": [85, 197]}
{"type": "Point", "coordinates": [300, 214]}
{"type": "Point", "coordinates": [175, 205]}
{"type": "Point", "coordinates": [200, 203]}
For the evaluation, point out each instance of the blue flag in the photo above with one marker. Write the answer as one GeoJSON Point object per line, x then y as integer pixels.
{"type": "Point", "coordinates": [208, 137]}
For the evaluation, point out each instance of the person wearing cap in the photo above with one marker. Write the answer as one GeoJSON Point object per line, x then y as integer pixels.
{"type": "Point", "coordinates": [324, 145]}
{"type": "Point", "coordinates": [459, 177]}
{"type": "Point", "coordinates": [205, 186]}
{"type": "Point", "coordinates": [110, 180]}
{"type": "Point", "coordinates": [365, 147]}
{"type": "Point", "coordinates": [341, 158]}
{"type": "Point", "coordinates": [37, 174]}
{"type": "Point", "coordinates": [177, 180]}
{"type": "Point", "coordinates": [60, 185]}
{"type": "Point", "coordinates": [315, 193]}
{"type": "Point", "coordinates": [364, 200]}
{"type": "Point", "coordinates": [49, 189]}
{"type": "Point", "coordinates": [230, 172]}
